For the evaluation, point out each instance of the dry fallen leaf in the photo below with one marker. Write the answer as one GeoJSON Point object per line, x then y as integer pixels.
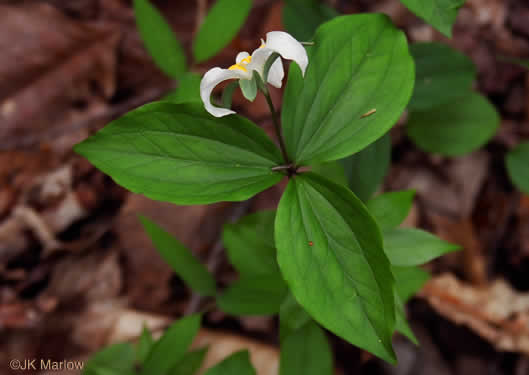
{"type": "Point", "coordinates": [56, 68]}
{"type": "Point", "coordinates": [110, 322]}
{"type": "Point", "coordinates": [497, 313]}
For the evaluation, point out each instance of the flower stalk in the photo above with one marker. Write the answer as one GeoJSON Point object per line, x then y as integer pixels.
{"type": "Point", "coordinates": [277, 126]}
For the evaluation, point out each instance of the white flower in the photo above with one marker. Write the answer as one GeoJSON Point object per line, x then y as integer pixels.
{"type": "Point", "coordinates": [276, 41]}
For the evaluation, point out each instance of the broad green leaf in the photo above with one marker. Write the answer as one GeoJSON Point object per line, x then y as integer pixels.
{"type": "Point", "coordinates": [413, 247]}
{"type": "Point", "coordinates": [358, 64]}
{"type": "Point", "coordinates": [409, 280]}
{"type": "Point", "coordinates": [144, 345]}
{"type": "Point", "coordinates": [366, 169]}
{"type": "Point", "coordinates": [180, 154]}
{"type": "Point", "coordinates": [250, 244]}
{"type": "Point", "coordinates": [441, 75]}
{"type": "Point", "coordinates": [306, 351]}
{"type": "Point", "coordinates": [333, 170]}
{"type": "Point", "coordinates": [220, 26]}
{"type": "Point", "coordinates": [331, 255]}
{"type": "Point", "coordinates": [455, 128]}
{"type": "Point", "coordinates": [159, 39]}
{"type": "Point", "coordinates": [172, 346]}
{"type": "Point", "coordinates": [259, 295]}
{"type": "Point", "coordinates": [117, 359]}
{"type": "Point", "coordinates": [517, 162]}
{"type": "Point", "coordinates": [236, 364]}
{"type": "Point", "coordinates": [441, 14]}
{"type": "Point", "coordinates": [190, 363]}
{"type": "Point", "coordinates": [401, 323]}
{"type": "Point", "coordinates": [181, 259]}
{"type": "Point", "coordinates": [390, 209]}
{"type": "Point", "coordinates": [188, 89]}
{"type": "Point", "coordinates": [302, 17]}
{"type": "Point", "coordinates": [292, 316]}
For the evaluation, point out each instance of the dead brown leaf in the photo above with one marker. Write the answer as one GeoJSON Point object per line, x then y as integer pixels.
{"type": "Point", "coordinates": [147, 274]}
{"type": "Point", "coordinates": [49, 69]}
{"type": "Point", "coordinates": [497, 313]}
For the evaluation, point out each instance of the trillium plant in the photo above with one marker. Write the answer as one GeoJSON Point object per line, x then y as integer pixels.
{"type": "Point", "coordinates": [327, 259]}
{"type": "Point", "coordinates": [252, 70]}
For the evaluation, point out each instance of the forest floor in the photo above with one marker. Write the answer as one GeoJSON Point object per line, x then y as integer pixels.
{"type": "Point", "coordinates": [77, 272]}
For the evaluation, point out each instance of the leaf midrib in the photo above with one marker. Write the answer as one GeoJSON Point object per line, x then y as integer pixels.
{"type": "Point", "coordinates": [353, 282]}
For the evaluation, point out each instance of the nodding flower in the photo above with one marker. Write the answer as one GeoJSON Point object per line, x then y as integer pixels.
{"type": "Point", "coordinates": [245, 64]}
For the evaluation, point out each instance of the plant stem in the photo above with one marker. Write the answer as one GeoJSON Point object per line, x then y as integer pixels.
{"type": "Point", "coordinates": [277, 126]}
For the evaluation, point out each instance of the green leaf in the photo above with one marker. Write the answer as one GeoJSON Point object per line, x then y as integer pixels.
{"type": "Point", "coordinates": [220, 26]}
{"type": "Point", "coordinates": [517, 162]}
{"type": "Point", "coordinates": [441, 14]}
{"type": "Point", "coordinates": [259, 295]}
{"type": "Point", "coordinates": [302, 17]}
{"type": "Point", "coordinates": [181, 259]}
{"type": "Point", "coordinates": [401, 323]}
{"type": "Point", "coordinates": [333, 170]}
{"type": "Point", "coordinates": [190, 363]}
{"type": "Point", "coordinates": [409, 280]}
{"type": "Point", "coordinates": [172, 346]}
{"type": "Point", "coordinates": [292, 316]}
{"type": "Point", "coordinates": [455, 128]}
{"type": "Point", "coordinates": [306, 352]}
{"type": "Point", "coordinates": [441, 75]}
{"type": "Point", "coordinates": [117, 359]}
{"type": "Point", "coordinates": [180, 154]}
{"type": "Point", "coordinates": [331, 254]}
{"type": "Point", "coordinates": [188, 89]}
{"type": "Point", "coordinates": [248, 88]}
{"type": "Point", "coordinates": [390, 209]}
{"type": "Point", "coordinates": [358, 64]}
{"type": "Point", "coordinates": [159, 39]}
{"type": "Point", "coordinates": [144, 345]}
{"type": "Point", "coordinates": [412, 247]}
{"type": "Point", "coordinates": [250, 244]}
{"type": "Point", "coordinates": [366, 169]}
{"type": "Point", "coordinates": [236, 364]}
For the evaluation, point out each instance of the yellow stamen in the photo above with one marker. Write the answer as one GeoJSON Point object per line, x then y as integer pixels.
{"type": "Point", "coordinates": [241, 64]}
{"type": "Point", "coordinates": [237, 66]}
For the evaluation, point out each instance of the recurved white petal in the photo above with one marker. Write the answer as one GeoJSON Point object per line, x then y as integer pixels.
{"type": "Point", "coordinates": [259, 58]}
{"type": "Point", "coordinates": [276, 73]}
{"type": "Point", "coordinates": [288, 47]}
{"type": "Point", "coordinates": [211, 79]}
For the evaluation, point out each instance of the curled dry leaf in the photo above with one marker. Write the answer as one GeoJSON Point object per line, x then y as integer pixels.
{"type": "Point", "coordinates": [58, 205]}
{"type": "Point", "coordinates": [497, 313]}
